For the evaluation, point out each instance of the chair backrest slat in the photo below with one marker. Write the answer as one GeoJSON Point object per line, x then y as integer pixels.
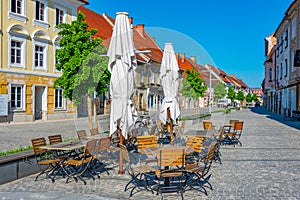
{"type": "Point", "coordinates": [94, 131]}
{"type": "Point", "coordinates": [103, 144]}
{"type": "Point", "coordinates": [146, 141]}
{"type": "Point", "coordinates": [207, 125]}
{"type": "Point", "coordinates": [91, 147]}
{"type": "Point", "coordinates": [232, 122]}
{"type": "Point", "coordinates": [195, 142]}
{"type": "Point", "coordinates": [211, 151]}
{"type": "Point", "coordinates": [171, 157]}
{"type": "Point", "coordinates": [54, 139]}
{"type": "Point", "coordinates": [81, 134]}
{"type": "Point", "coordinates": [238, 126]}
{"type": "Point", "coordinates": [38, 142]}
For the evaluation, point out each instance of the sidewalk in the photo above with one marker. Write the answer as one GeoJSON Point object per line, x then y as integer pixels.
{"type": "Point", "coordinates": [265, 167]}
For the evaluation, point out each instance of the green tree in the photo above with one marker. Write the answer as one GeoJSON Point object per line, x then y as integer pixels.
{"type": "Point", "coordinates": [254, 97]}
{"type": "Point", "coordinates": [231, 94]}
{"type": "Point", "coordinates": [240, 96]}
{"type": "Point", "coordinates": [83, 69]}
{"type": "Point", "coordinates": [220, 91]}
{"type": "Point", "coordinates": [249, 97]}
{"type": "Point", "coordinates": [193, 85]}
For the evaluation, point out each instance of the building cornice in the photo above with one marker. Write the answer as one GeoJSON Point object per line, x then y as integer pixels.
{"type": "Point", "coordinates": [9, 71]}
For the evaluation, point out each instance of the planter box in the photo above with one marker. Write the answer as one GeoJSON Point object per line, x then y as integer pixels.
{"type": "Point", "coordinates": [18, 165]}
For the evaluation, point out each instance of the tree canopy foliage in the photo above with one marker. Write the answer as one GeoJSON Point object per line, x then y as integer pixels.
{"type": "Point", "coordinates": [220, 91]}
{"type": "Point", "coordinates": [249, 97]}
{"type": "Point", "coordinates": [83, 69]}
{"type": "Point", "coordinates": [231, 94]}
{"type": "Point", "coordinates": [240, 96]}
{"type": "Point", "coordinates": [193, 84]}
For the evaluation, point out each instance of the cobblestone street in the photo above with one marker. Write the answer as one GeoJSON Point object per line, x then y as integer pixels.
{"type": "Point", "coordinates": [265, 167]}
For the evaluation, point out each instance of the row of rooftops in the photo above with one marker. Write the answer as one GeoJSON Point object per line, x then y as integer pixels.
{"type": "Point", "coordinates": [143, 41]}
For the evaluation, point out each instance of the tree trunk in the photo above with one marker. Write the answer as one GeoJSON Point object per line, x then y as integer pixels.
{"type": "Point", "coordinates": [89, 102]}
{"type": "Point", "coordinates": [95, 114]}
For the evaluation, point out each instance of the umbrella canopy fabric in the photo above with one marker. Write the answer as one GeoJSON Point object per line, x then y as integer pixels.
{"type": "Point", "coordinates": [122, 64]}
{"type": "Point", "coordinates": [169, 80]}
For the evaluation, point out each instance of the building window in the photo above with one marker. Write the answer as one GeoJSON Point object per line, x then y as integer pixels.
{"type": "Point", "coordinates": [270, 74]}
{"type": "Point", "coordinates": [15, 52]}
{"type": "Point", "coordinates": [17, 10]}
{"type": "Point", "coordinates": [17, 96]}
{"type": "Point", "coordinates": [280, 71]}
{"type": "Point", "coordinates": [41, 14]}
{"type": "Point", "coordinates": [39, 56]}
{"type": "Point", "coordinates": [16, 6]}
{"type": "Point", "coordinates": [294, 28]}
{"type": "Point", "coordinates": [59, 17]}
{"type": "Point", "coordinates": [40, 11]}
{"type": "Point", "coordinates": [59, 100]}
{"type": "Point", "coordinates": [286, 38]}
{"type": "Point", "coordinates": [286, 67]}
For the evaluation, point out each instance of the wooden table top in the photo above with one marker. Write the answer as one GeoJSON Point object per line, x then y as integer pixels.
{"type": "Point", "coordinates": [153, 151]}
{"type": "Point", "coordinates": [66, 146]}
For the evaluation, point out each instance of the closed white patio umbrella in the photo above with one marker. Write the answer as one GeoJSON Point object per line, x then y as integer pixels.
{"type": "Point", "coordinates": [169, 80]}
{"type": "Point", "coordinates": [122, 64]}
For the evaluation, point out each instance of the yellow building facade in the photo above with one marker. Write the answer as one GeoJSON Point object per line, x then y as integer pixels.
{"type": "Point", "coordinates": [28, 42]}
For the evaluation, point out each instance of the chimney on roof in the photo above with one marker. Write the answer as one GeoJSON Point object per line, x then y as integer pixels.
{"type": "Point", "coordinates": [182, 57]}
{"type": "Point", "coordinates": [232, 75]}
{"type": "Point", "coordinates": [177, 56]}
{"type": "Point", "coordinates": [193, 58]}
{"type": "Point", "coordinates": [140, 29]}
{"type": "Point", "coordinates": [130, 20]}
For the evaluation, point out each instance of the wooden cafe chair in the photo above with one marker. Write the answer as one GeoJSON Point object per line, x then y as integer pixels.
{"type": "Point", "coordinates": [45, 160]}
{"type": "Point", "coordinates": [138, 174]}
{"type": "Point", "coordinates": [171, 174]}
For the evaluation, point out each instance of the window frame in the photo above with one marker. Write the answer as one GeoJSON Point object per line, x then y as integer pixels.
{"type": "Point", "coordinates": [55, 16]}
{"type": "Point", "coordinates": [270, 74]}
{"type": "Point", "coordinates": [38, 42]}
{"type": "Point", "coordinates": [23, 53]}
{"type": "Point", "coordinates": [286, 67]}
{"type": "Point", "coordinates": [22, 99]}
{"type": "Point", "coordinates": [15, 15]}
{"type": "Point", "coordinates": [61, 100]}
{"type": "Point", "coordinates": [38, 22]}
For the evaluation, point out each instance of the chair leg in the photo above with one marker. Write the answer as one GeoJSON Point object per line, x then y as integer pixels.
{"type": "Point", "coordinates": [127, 185]}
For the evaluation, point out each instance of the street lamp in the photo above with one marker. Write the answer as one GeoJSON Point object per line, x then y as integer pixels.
{"type": "Point", "coordinates": [210, 79]}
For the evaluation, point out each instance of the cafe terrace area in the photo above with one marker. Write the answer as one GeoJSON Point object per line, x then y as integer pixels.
{"type": "Point", "coordinates": [261, 164]}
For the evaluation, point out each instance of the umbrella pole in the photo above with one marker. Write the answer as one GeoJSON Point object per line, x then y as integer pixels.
{"type": "Point", "coordinates": [121, 170]}
{"type": "Point", "coordinates": [170, 127]}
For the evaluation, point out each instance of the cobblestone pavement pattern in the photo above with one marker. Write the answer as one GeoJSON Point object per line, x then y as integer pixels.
{"type": "Point", "coordinates": [265, 167]}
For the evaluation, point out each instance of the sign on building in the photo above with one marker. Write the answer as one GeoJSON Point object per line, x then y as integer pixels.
{"type": "Point", "coordinates": [3, 104]}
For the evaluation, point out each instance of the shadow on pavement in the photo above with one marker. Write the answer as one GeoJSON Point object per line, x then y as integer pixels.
{"type": "Point", "coordinates": [263, 111]}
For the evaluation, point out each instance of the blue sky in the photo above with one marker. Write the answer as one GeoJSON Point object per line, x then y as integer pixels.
{"type": "Point", "coordinates": [227, 34]}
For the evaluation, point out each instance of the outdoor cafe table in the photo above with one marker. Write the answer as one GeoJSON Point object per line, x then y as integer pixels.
{"type": "Point", "coordinates": [153, 151]}
{"type": "Point", "coordinates": [201, 133]}
{"type": "Point", "coordinates": [66, 146]}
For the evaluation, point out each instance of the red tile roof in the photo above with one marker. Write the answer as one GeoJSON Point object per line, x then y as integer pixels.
{"type": "Point", "coordinates": [142, 40]}
{"type": "Point", "coordinates": [95, 20]}
{"type": "Point", "coordinates": [187, 63]}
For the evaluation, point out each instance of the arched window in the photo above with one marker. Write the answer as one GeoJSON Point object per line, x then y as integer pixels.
{"type": "Point", "coordinates": [17, 46]}
{"type": "Point", "coordinates": [40, 49]}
